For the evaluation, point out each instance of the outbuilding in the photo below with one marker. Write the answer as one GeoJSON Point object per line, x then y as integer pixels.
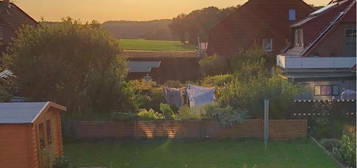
{"type": "Point", "coordinates": [30, 134]}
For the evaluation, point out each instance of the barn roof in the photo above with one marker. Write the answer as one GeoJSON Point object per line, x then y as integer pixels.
{"type": "Point", "coordinates": [25, 112]}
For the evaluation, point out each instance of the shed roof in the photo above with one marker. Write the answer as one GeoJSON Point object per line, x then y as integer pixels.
{"type": "Point", "coordinates": [142, 66]}
{"type": "Point", "coordinates": [25, 112]}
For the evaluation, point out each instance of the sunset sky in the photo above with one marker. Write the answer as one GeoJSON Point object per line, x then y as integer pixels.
{"type": "Point", "coordinates": [104, 10]}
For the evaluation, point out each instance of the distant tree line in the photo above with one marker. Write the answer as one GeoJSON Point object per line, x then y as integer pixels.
{"type": "Point", "coordinates": [188, 27]}
{"type": "Point", "coordinates": [184, 27]}
{"type": "Point", "coordinates": [149, 30]}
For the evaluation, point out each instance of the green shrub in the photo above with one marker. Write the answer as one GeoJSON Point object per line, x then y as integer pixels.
{"type": "Point", "coordinates": [214, 65]}
{"type": "Point", "coordinates": [326, 127]}
{"type": "Point", "coordinates": [226, 116]}
{"type": "Point", "coordinates": [148, 115]}
{"type": "Point", "coordinates": [217, 80]}
{"type": "Point", "coordinates": [187, 113]}
{"type": "Point", "coordinates": [174, 84]}
{"type": "Point", "coordinates": [348, 150]}
{"type": "Point", "coordinates": [250, 94]}
{"type": "Point", "coordinates": [167, 111]}
{"type": "Point", "coordinates": [59, 62]}
{"type": "Point", "coordinates": [148, 95]}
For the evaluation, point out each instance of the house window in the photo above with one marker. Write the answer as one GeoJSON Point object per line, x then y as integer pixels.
{"type": "Point", "coordinates": [326, 90]}
{"type": "Point", "coordinates": [350, 32]}
{"type": "Point", "coordinates": [335, 90]}
{"type": "Point", "coordinates": [268, 45]}
{"type": "Point", "coordinates": [292, 14]}
{"type": "Point", "coordinates": [299, 40]}
{"type": "Point", "coordinates": [49, 132]}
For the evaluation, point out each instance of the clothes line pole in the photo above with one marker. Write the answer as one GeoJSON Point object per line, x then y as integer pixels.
{"type": "Point", "coordinates": [266, 122]}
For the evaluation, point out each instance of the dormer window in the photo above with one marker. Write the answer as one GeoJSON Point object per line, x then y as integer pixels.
{"type": "Point", "coordinates": [299, 38]}
{"type": "Point", "coordinates": [292, 14]}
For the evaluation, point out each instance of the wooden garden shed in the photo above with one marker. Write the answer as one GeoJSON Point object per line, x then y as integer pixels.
{"type": "Point", "coordinates": [30, 134]}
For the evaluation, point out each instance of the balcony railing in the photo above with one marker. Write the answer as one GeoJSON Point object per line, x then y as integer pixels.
{"type": "Point", "coordinates": [294, 62]}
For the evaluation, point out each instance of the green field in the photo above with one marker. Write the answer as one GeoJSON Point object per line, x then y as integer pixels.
{"type": "Point", "coordinates": [198, 154]}
{"type": "Point", "coordinates": [153, 45]}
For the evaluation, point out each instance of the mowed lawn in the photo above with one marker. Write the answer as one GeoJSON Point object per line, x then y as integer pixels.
{"type": "Point", "coordinates": [198, 154]}
{"type": "Point", "coordinates": [154, 45]}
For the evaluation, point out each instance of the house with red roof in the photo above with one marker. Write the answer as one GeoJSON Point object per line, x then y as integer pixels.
{"type": "Point", "coordinates": [322, 52]}
{"type": "Point", "coordinates": [262, 23]}
{"type": "Point", "coordinates": [12, 18]}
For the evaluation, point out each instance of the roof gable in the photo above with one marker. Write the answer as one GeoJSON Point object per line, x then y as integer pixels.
{"type": "Point", "coordinates": [254, 21]}
{"type": "Point", "coordinates": [341, 15]}
{"type": "Point", "coordinates": [24, 113]}
{"type": "Point", "coordinates": [14, 16]}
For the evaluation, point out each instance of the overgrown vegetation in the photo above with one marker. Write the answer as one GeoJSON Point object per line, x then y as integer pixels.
{"type": "Point", "coordinates": [147, 94]}
{"type": "Point", "coordinates": [187, 27]}
{"type": "Point", "coordinates": [73, 64]}
{"type": "Point", "coordinates": [251, 82]}
{"type": "Point", "coordinates": [343, 150]}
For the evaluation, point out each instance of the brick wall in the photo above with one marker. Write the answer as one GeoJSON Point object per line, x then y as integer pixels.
{"type": "Point", "coordinates": [279, 129]}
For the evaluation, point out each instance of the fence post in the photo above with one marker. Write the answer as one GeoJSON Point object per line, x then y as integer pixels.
{"type": "Point", "coordinates": [266, 122]}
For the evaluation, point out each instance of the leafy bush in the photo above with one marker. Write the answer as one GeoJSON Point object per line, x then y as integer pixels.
{"type": "Point", "coordinates": [226, 116]}
{"type": "Point", "coordinates": [343, 150]}
{"type": "Point", "coordinates": [187, 113]}
{"type": "Point", "coordinates": [148, 95]}
{"type": "Point", "coordinates": [5, 92]}
{"type": "Point", "coordinates": [250, 94]}
{"type": "Point", "coordinates": [249, 62]}
{"type": "Point", "coordinates": [148, 115]}
{"type": "Point", "coordinates": [214, 65]}
{"type": "Point", "coordinates": [76, 65]}
{"type": "Point", "coordinates": [348, 150]}
{"type": "Point", "coordinates": [173, 84]}
{"type": "Point", "coordinates": [326, 127]}
{"type": "Point", "coordinates": [167, 111]}
{"type": "Point", "coordinates": [219, 82]}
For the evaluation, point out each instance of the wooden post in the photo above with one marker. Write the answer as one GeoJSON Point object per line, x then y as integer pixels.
{"type": "Point", "coordinates": [266, 122]}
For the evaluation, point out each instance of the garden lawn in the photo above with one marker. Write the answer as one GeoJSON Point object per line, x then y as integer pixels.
{"type": "Point", "coordinates": [154, 45]}
{"type": "Point", "coordinates": [198, 154]}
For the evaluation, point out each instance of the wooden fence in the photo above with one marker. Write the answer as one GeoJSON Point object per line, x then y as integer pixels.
{"type": "Point", "coordinates": [279, 129]}
{"type": "Point", "coordinates": [309, 109]}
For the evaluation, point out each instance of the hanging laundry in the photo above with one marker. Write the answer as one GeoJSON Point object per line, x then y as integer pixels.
{"type": "Point", "coordinates": [199, 96]}
{"type": "Point", "coordinates": [174, 96]}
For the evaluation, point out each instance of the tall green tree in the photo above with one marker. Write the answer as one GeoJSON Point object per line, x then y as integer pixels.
{"type": "Point", "coordinates": [74, 64]}
{"type": "Point", "coordinates": [188, 27]}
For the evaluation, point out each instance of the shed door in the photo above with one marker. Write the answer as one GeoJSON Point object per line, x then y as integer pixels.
{"type": "Point", "coordinates": [46, 151]}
